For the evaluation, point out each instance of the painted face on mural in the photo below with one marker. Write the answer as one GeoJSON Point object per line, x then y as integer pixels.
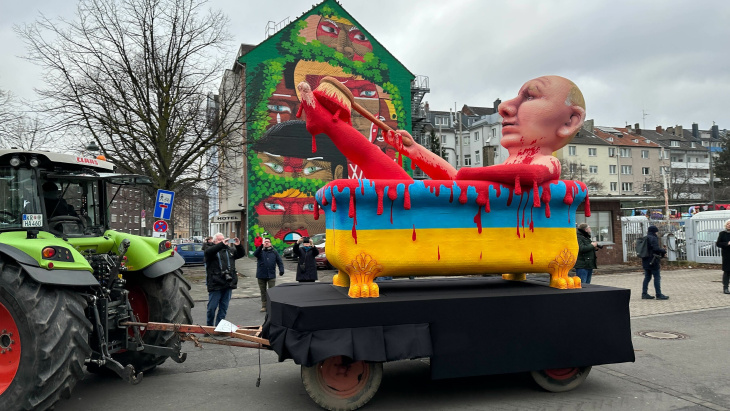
{"type": "Point", "coordinates": [283, 104]}
{"type": "Point", "coordinates": [294, 167]}
{"type": "Point", "coordinates": [339, 34]}
{"type": "Point", "coordinates": [542, 114]}
{"type": "Point", "coordinates": [290, 215]}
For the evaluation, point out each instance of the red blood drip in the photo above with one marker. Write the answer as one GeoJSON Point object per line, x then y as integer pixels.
{"type": "Point", "coordinates": [535, 195]}
{"type": "Point", "coordinates": [413, 236]}
{"type": "Point", "coordinates": [438, 249]}
{"type": "Point", "coordinates": [400, 160]}
{"type": "Point", "coordinates": [451, 196]}
{"type": "Point", "coordinates": [462, 195]}
{"type": "Point", "coordinates": [509, 199]}
{"type": "Point", "coordinates": [334, 201]}
{"type": "Point", "coordinates": [316, 210]}
{"type": "Point", "coordinates": [531, 261]}
{"type": "Point", "coordinates": [393, 192]}
{"type": "Point", "coordinates": [379, 191]}
{"type": "Point", "coordinates": [362, 187]}
{"type": "Point", "coordinates": [352, 211]}
{"type": "Point", "coordinates": [571, 189]}
{"type": "Point", "coordinates": [498, 188]}
{"type": "Point", "coordinates": [546, 199]}
{"type": "Point", "coordinates": [519, 205]}
{"type": "Point", "coordinates": [336, 116]}
{"type": "Point", "coordinates": [406, 199]}
{"type": "Point", "coordinates": [482, 195]}
{"type": "Point", "coordinates": [588, 206]}
{"type": "Point", "coordinates": [354, 230]}
{"type": "Point", "coordinates": [518, 187]}
{"type": "Point", "coordinates": [314, 144]}
{"type": "Point", "coordinates": [299, 112]}
{"type": "Point", "coordinates": [438, 189]}
{"type": "Point", "coordinates": [391, 212]}
{"type": "Point", "coordinates": [523, 217]}
{"type": "Point", "coordinates": [480, 255]}
{"type": "Point", "coordinates": [532, 227]}
{"type": "Point", "coordinates": [478, 219]}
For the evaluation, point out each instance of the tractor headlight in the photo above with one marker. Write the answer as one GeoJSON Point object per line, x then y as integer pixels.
{"type": "Point", "coordinates": [57, 254]}
{"type": "Point", "coordinates": [15, 161]}
{"type": "Point", "coordinates": [34, 162]}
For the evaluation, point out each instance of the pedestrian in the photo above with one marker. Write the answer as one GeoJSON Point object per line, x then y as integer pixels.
{"type": "Point", "coordinates": [586, 262]}
{"type": "Point", "coordinates": [651, 266]}
{"type": "Point", "coordinates": [221, 276]}
{"type": "Point", "coordinates": [267, 259]}
{"type": "Point", "coordinates": [306, 266]}
{"type": "Point", "coordinates": [723, 241]}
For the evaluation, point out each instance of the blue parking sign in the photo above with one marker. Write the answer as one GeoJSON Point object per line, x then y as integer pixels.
{"type": "Point", "coordinates": [163, 204]}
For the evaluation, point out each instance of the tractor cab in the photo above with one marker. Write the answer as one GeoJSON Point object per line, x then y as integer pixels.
{"type": "Point", "coordinates": [63, 194]}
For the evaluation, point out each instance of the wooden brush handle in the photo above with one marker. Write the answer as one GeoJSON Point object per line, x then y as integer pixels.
{"type": "Point", "coordinates": [360, 109]}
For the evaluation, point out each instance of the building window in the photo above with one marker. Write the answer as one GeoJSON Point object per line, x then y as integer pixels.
{"type": "Point", "coordinates": [636, 140]}
{"type": "Point", "coordinates": [466, 140]}
{"type": "Point", "coordinates": [613, 185]}
{"type": "Point", "coordinates": [446, 157]}
{"type": "Point", "coordinates": [626, 170]}
{"type": "Point", "coordinates": [573, 167]}
{"type": "Point", "coordinates": [592, 189]}
{"type": "Point", "coordinates": [610, 139]}
{"type": "Point", "coordinates": [645, 171]}
{"type": "Point", "coordinates": [457, 160]}
{"type": "Point", "coordinates": [494, 132]}
{"type": "Point", "coordinates": [440, 121]}
{"type": "Point", "coordinates": [627, 186]}
{"type": "Point", "coordinates": [571, 150]}
{"type": "Point", "coordinates": [136, 219]}
{"type": "Point", "coordinates": [456, 140]}
{"type": "Point", "coordinates": [647, 187]}
{"type": "Point", "coordinates": [601, 225]}
{"type": "Point", "coordinates": [593, 169]}
{"type": "Point", "coordinates": [477, 157]}
{"type": "Point", "coordinates": [467, 160]}
{"type": "Point", "coordinates": [476, 136]}
{"type": "Point", "coordinates": [131, 219]}
{"type": "Point", "coordinates": [443, 139]}
{"type": "Point", "coordinates": [612, 169]}
{"type": "Point", "coordinates": [114, 218]}
{"type": "Point", "coordinates": [674, 159]}
{"type": "Point", "coordinates": [612, 152]}
{"type": "Point", "coordinates": [674, 143]}
{"type": "Point", "coordinates": [592, 152]}
{"type": "Point", "coordinates": [625, 152]}
{"type": "Point", "coordinates": [644, 153]}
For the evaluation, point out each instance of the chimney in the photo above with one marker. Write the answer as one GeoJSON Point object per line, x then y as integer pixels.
{"type": "Point", "coordinates": [715, 131]}
{"type": "Point", "coordinates": [637, 128]}
{"type": "Point", "coordinates": [497, 102]}
{"type": "Point", "coordinates": [426, 107]}
{"type": "Point", "coordinates": [588, 125]}
{"type": "Point", "coordinates": [678, 131]}
{"type": "Point", "coordinates": [659, 129]}
{"type": "Point", "coordinates": [670, 130]}
{"type": "Point", "coordinates": [628, 128]}
{"type": "Point", "coordinates": [695, 130]}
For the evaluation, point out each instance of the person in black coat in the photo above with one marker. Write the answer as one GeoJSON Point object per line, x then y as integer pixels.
{"type": "Point", "coordinates": [306, 266]}
{"type": "Point", "coordinates": [267, 259]}
{"type": "Point", "coordinates": [723, 241]}
{"type": "Point", "coordinates": [651, 265]}
{"type": "Point", "coordinates": [220, 275]}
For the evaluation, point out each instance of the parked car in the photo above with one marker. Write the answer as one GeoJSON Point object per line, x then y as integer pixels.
{"type": "Point", "coordinates": [317, 239]}
{"type": "Point", "coordinates": [192, 253]}
{"type": "Point", "coordinates": [321, 259]}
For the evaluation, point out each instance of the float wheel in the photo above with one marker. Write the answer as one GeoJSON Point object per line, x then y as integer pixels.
{"type": "Point", "coordinates": [339, 383]}
{"type": "Point", "coordinates": [561, 379]}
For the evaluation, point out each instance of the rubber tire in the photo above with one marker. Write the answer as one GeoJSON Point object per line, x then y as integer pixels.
{"type": "Point", "coordinates": [319, 394]}
{"type": "Point", "coordinates": [54, 334]}
{"type": "Point", "coordinates": [554, 385]}
{"type": "Point", "coordinates": [169, 301]}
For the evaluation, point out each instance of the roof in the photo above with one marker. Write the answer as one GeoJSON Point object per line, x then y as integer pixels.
{"type": "Point", "coordinates": [586, 137]}
{"type": "Point", "coordinates": [71, 160]}
{"type": "Point", "coordinates": [477, 111]}
{"type": "Point", "coordinates": [619, 136]}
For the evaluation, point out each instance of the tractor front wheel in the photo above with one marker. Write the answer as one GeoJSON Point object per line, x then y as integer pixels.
{"type": "Point", "coordinates": [561, 379]}
{"type": "Point", "coordinates": [339, 383]}
{"type": "Point", "coordinates": [165, 299]}
{"type": "Point", "coordinates": [43, 340]}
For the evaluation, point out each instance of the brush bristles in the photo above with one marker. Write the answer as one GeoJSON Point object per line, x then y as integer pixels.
{"type": "Point", "coordinates": [336, 93]}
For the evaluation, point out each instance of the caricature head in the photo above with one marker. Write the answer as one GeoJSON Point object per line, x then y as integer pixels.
{"type": "Point", "coordinates": [289, 214]}
{"type": "Point", "coordinates": [547, 113]}
{"type": "Point", "coordinates": [339, 34]}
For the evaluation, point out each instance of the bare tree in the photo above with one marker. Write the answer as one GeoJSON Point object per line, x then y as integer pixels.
{"type": "Point", "coordinates": [134, 76]}
{"type": "Point", "coordinates": [571, 170]}
{"type": "Point", "coordinates": [8, 114]}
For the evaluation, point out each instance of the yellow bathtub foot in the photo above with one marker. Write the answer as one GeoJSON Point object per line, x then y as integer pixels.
{"type": "Point", "coordinates": [362, 271]}
{"type": "Point", "coordinates": [576, 282]}
{"type": "Point", "coordinates": [559, 269]}
{"type": "Point", "coordinates": [341, 279]}
{"type": "Point", "coordinates": [514, 277]}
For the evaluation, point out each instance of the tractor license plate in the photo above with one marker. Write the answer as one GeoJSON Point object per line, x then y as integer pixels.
{"type": "Point", "coordinates": [32, 220]}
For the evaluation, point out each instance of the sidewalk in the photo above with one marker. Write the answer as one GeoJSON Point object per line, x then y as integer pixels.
{"type": "Point", "coordinates": [688, 289]}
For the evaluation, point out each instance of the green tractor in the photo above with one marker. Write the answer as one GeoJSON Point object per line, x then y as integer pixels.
{"type": "Point", "coordinates": [68, 283]}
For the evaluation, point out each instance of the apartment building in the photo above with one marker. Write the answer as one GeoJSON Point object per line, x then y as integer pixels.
{"type": "Point", "coordinates": [689, 161]}
{"type": "Point", "coordinates": [586, 158]}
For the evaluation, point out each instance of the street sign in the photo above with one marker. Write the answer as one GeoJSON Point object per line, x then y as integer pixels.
{"type": "Point", "coordinates": [160, 226]}
{"type": "Point", "coordinates": [159, 235]}
{"type": "Point", "coordinates": [163, 204]}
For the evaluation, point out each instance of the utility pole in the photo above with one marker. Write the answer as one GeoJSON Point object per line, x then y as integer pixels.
{"type": "Point", "coordinates": [643, 118]}
{"type": "Point", "coordinates": [461, 140]}
{"type": "Point", "coordinates": [712, 180]}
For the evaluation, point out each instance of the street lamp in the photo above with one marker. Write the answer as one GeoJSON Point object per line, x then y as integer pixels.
{"type": "Point", "coordinates": [581, 165]}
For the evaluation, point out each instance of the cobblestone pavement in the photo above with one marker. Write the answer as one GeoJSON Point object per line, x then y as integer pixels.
{"type": "Point", "coordinates": [688, 289]}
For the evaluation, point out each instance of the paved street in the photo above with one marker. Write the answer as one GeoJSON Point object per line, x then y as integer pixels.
{"type": "Point", "coordinates": [669, 374]}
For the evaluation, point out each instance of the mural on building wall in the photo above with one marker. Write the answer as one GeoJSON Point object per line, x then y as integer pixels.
{"type": "Point", "coordinates": [286, 165]}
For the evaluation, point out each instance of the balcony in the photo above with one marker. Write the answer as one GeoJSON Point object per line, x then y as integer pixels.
{"type": "Point", "coordinates": [691, 166]}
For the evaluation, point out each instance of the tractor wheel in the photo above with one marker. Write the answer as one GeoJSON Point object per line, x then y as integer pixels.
{"type": "Point", "coordinates": [43, 340]}
{"type": "Point", "coordinates": [338, 383]}
{"type": "Point", "coordinates": [165, 299]}
{"type": "Point", "coordinates": [561, 379]}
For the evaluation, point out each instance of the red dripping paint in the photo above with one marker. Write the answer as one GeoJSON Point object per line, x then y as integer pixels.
{"type": "Point", "coordinates": [498, 188]}
{"type": "Point", "coordinates": [324, 199]}
{"type": "Point", "coordinates": [531, 261]}
{"type": "Point", "coordinates": [413, 236]}
{"type": "Point", "coordinates": [451, 196]}
{"type": "Point", "coordinates": [482, 196]}
{"type": "Point", "coordinates": [438, 250]}
{"type": "Point", "coordinates": [391, 212]}
{"type": "Point", "coordinates": [393, 192]}
{"type": "Point", "coordinates": [535, 195]}
{"type": "Point", "coordinates": [546, 199]}
{"type": "Point", "coordinates": [351, 212]}
{"type": "Point", "coordinates": [518, 187]}
{"type": "Point", "coordinates": [314, 144]}
{"type": "Point", "coordinates": [353, 207]}
{"type": "Point", "coordinates": [532, 227]}
{"type": "Point", "coordinates": [354, 230]}
{"type": "Point", "coordinates": [406, 199]}
{"type": "Point", "coordinates": [478, 219]}
{"type": "Point", "coordinates": [588, 206]}
{"type": "Point", "coordinates": [316, 210]}
{"type": "Point", "coordinates": [400, 160]}
{"type": "Point", "coordinates": [509, 199]}
{"type": "Point", "coordinates": [334, 201]}
{"type": "Point", "coordinates": [523, 214]}
{"type": "Point", "coordinates": [462, 195]}
{"type": "Point", "coordinates": [519, 205]}
{"type": "Point", "coordinates": [379, 191]}
{"type": "Point", "coordinates": [480, 255]}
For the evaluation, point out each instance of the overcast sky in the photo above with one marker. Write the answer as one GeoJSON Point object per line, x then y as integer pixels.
{"type": "Point", "coordinates": [669, 58]}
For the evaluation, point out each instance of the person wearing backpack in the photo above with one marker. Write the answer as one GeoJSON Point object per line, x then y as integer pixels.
{"type": "Point", "coordinates": [651, 265]}
{"type": "Point", "coordinates": [723, 241]}
{"type": "Point", "coordinates": [586, 261]}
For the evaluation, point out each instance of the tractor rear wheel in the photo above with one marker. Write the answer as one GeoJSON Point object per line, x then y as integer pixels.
{"type": "Point", "coordinates": [341, 384]}
{"type": "Point", "coordinates": [561, 379]}
{"type": "Point", "coordinates": [165, 299]}
{"type": "Point", "coordinates": [43, 340]}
